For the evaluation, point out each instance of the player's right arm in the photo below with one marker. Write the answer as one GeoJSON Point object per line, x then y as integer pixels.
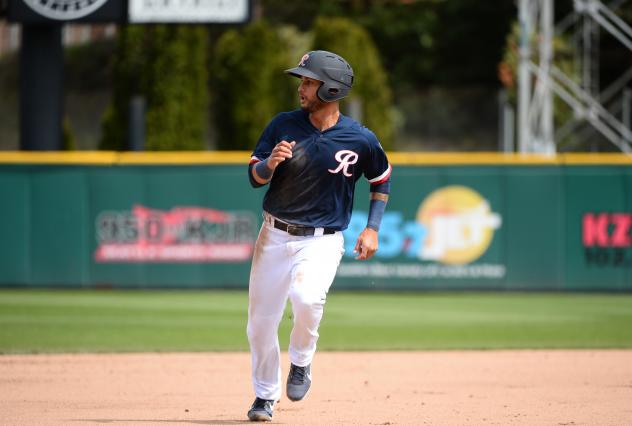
{"type": "Point", "coordinates": [261, 171]}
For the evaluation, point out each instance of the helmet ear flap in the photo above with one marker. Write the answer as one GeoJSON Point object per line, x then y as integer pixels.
{"type": "Point", "coordinates": [328, 93]}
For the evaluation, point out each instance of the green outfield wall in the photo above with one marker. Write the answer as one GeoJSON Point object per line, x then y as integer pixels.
{"type": "Point", "coordinates": [189, 220]}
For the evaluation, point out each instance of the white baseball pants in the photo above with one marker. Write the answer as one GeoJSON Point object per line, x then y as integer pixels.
{"type": "Point", "coordinates": [301, 268]}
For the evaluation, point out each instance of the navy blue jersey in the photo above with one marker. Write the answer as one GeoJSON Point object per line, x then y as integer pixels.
{"type": "Point", "coordinates": [315, 187]}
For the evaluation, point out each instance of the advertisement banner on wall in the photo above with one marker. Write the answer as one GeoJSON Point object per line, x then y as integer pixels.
{"type": "Point", "coordinates": [548, 228]}
{"type": "Point", "coordinates": [451, 230]}
{"type": "Point", "coordinates": [182, 234]}
{"type": "Point", "coordinates": [607, 239]}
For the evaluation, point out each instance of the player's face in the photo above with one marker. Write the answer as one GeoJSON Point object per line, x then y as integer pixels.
{"type": "Point", "coordinates": [307, 94]}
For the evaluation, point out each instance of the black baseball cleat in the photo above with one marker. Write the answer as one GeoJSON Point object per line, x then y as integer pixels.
{"type": "Point", "coordinates": [261, 410]}
{"type": "Point", "coordinates": [298, 382]}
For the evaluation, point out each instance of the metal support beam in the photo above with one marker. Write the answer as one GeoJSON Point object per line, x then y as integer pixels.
{"type": "Point", "coordinates": [137, 125]}
{"type": "Point", "coordinates": [505, 123]}
{"type": "Point", "coordinates": [535, 101]}
{"type": "Point", "coordinates": [546, 60]}
{"type": "Point", "coordinates": [626, 111]}
{"type": "Point", "coordinates": [524, 76]}
{"type": "Point", "coordinates": [538, 78]}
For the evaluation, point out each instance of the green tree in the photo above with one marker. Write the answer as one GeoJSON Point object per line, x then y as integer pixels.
{"type": "Point", "coordinates": [469, 41]}
{"type": "Point", "coordinates": [248, 83]}
{"type": "Point", "coordinates": [370, 86]}
{"type": "Point", "coordinates": [177, 96]}
{"type": "Point", "coordinates": [127, 81]}
{"type": "Point", "coordinates": [166, 64]}
{"type": "Point", "coordinates": [421, 42]}
{"type": "Point", "coordinates": [405, 35]}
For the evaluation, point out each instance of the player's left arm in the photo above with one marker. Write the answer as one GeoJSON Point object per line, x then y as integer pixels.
{"type": "Point", "coordinates": [377, 170]}
{"type": "Point", "coordinates": [367, 243]}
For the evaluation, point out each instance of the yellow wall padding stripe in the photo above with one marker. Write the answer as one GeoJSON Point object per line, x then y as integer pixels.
{"type": "Point", "coordinates": [108, 158]}
{"type": "Point", "coordinates": [498, 158]}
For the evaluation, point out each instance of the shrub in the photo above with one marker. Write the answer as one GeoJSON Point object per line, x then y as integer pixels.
{"type": "Point", "coordinates": [370, 86]}
{"type": "Point", "coordinates": [249, 86]}
{"type": "Point", "coordinates": [166, 64]}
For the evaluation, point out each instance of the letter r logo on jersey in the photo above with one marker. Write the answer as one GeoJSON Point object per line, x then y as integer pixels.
{"type": "Point", "coordinates": [346, 158]}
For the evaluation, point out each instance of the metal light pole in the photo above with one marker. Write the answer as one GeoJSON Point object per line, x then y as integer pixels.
{"type": "Point", "coordinates": [41, 87]}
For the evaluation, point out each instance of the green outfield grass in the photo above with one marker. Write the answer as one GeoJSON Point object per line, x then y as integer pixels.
{"type": "Point", "coordinates": [123, 321]}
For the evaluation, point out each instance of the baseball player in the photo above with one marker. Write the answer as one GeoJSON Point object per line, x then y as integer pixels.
{"type": "Point", "coordinates": [312, 158]}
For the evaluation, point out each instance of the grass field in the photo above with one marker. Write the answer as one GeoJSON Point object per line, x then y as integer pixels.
{"type": "Point", "coordinates": [33, 321]}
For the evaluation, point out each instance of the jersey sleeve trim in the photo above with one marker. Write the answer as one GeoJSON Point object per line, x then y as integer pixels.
{"type": "Point", "coordinates": [381, 178]}
{"type": "Point", "coordinates": [253, 160]}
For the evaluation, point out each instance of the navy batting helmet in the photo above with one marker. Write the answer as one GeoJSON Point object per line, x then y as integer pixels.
{"type": "Point", "coordinates": [334, 72]}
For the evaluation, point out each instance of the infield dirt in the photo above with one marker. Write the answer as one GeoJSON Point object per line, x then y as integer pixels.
{"type": "Point", "coordinates": [525, 387]}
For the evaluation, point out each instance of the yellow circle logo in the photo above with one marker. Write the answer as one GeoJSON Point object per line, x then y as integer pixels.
{"type": "Point", "coordinates": [459, 223]}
